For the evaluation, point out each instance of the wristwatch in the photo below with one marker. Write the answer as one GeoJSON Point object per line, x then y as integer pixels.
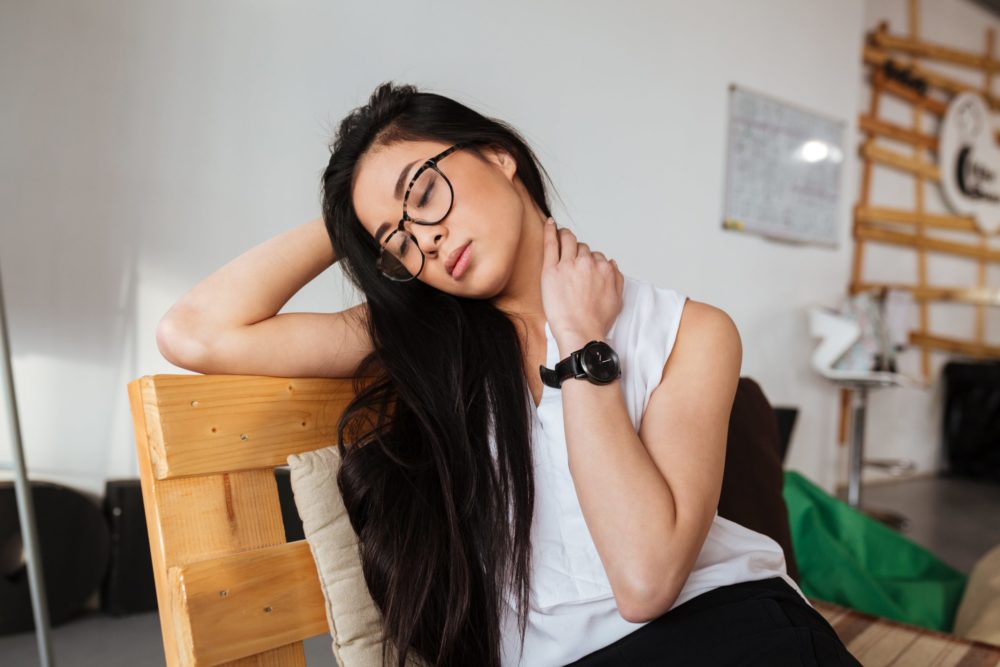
{"type": "Point", "coordinates": [595, 361]}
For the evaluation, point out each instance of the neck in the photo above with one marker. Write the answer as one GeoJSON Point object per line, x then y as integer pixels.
{"type": "Point", "coordinates": [523, 294]}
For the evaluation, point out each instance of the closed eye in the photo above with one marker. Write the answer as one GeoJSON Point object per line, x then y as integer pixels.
{"type": "Point", "coordinates": [427, 194]}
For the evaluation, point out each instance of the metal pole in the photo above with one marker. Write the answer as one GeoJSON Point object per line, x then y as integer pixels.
{"type": "Point", "coordinates": [25, 505]}
{"type": "Point", "coordinates": [859, 400]}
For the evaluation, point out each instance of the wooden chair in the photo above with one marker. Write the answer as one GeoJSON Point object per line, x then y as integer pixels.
{"type": "Point", "coordinates": [230, 590]}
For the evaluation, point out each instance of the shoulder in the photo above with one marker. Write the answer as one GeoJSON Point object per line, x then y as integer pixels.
{"type": "Point", "coordinates": [704, 319]}
{"type": "Point", "coordinates": [684, 322]}
{"type": "Point", "coordinates": [699, 379]}
{"type": "Point", "coordinates": [707, 337]}
{"type": "Point", "coordinates": [671, 329]}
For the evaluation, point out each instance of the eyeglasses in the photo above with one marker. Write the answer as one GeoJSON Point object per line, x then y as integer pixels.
{"type": "Point", "coordinates": [401, 259]}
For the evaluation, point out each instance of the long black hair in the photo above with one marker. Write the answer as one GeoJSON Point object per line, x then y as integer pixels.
{"type": "Point", "coordinates": [436, 465]}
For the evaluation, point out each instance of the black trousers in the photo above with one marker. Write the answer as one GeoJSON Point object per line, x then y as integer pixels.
{"type": "Point", "coordinates": [762, 623]}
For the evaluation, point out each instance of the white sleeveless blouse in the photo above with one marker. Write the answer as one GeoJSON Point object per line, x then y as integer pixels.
{"type": "Point", "coordinates": [572, 608]}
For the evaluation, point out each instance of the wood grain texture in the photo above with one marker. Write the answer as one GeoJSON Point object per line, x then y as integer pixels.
{"type": "Point", "coordinates": [880, 642]}
{"type": "Point", "coordinates": [203, 424]}
{"type": "Point", "coordinates": [229, 590]}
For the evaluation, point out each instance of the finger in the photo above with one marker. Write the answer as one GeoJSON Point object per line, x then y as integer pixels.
{"type": "Point", "coordinates": [550, 247]}
{"type": "Point", "coordinates": [567, 245]}
{"type": "Point", "coordinates": [602, 262]}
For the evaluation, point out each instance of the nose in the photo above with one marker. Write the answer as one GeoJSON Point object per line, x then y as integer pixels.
{"type": "Point", "coordinates": [429, 237]}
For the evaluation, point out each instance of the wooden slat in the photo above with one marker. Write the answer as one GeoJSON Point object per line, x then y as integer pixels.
{"type": "Point", "coordinates": [917, 111]}
{"type": "Point", "coordinates": [203, 424]}
{"type": "Point", "coordinates": [892, 131]}
{"type": "Point", "coordinates": [246, 603]}
{"type": "Point", "coordinates": [878, 57]}
{"type": "Point", "coordinates": [151, 509]}
{"type": "Point", "coordinates": [918, 47]}
{"type": "Point", "coordinates": [870, 233]}
{"type": "Point", "coordinates": [899, 161]}
{"type": "Point", "coordinates": [981, 269]}
{"type": "Point", "coordinates": [955, 345]}
{"type": "Point", "coordinates": [857, 261]}
{"type": "Point", "coordinates": [908, 217]}
{"type": "Point", "coordinates": [904, 92]}
{"type": "Point", "coordinates": [986, 296]}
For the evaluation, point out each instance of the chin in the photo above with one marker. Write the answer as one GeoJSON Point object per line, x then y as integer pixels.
{"type": "Point", "coordinates": [476, 283]}
{"type": "Point", "coordinates": [493, 284]}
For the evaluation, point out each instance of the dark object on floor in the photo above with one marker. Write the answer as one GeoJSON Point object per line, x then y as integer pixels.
{"type": "Point", "coordinates": [73, 542]}
{"type": "Point", "coordinates": [786, 423]}
{"type": "Point", "coordinates": [753, 480]}
{"type": "Point", "coordinates": [128, 587]}
{"type": "Point", "coordinates": [972, 419]}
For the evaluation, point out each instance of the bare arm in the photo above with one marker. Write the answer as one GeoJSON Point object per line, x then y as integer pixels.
{"type": "Point", "coordinates": [228, 323]}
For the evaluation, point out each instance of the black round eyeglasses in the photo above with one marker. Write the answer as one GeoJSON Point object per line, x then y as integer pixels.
{"type": "Point", "coordinates": [401, 258]}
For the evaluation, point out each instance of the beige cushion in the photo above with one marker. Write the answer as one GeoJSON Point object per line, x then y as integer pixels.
{"type": "Point", "coordinates": [354, 620]}
{"type": "Point", "coordinates": [978, 615]}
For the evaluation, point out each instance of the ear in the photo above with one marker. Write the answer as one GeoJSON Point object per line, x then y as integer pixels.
{"type": "Point", "coordinates": [501, 158]}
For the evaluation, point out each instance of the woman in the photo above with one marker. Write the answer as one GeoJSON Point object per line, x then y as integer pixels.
{"type": "Point", "coordinates": [508, 515]}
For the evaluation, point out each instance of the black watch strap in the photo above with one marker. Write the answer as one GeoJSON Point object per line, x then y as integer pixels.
{"type": "Point", "coordinates": [569, 367]}
{"type": "Point", "coordinates": [572, 367]}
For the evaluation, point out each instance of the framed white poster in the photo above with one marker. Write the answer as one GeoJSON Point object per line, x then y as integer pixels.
{"type": "Point", "coordinates": [783, 169]}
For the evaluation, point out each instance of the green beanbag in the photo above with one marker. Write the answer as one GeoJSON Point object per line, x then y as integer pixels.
{"type": "Point", "coordinates": [851, 559]}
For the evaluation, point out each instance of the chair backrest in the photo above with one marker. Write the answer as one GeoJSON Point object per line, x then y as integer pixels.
{"type": "Point", "coordinates": [228, 586]}
{"type": "Point", "coordinates": [753, 479]}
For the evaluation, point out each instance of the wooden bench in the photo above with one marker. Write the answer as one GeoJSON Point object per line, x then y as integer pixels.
{"type": "Point", "coordinates": [230, 590]}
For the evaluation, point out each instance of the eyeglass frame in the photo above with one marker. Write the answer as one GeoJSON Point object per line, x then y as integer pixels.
{"type": "Point", "coordinates": [432, 163]}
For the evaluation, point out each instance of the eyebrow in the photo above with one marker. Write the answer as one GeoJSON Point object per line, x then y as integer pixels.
{"type": "Point", "coordinates": [398, 194]}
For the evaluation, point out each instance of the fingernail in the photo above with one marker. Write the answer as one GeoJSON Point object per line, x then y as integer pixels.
{"type": "Point", "coordinates": [551, 221]}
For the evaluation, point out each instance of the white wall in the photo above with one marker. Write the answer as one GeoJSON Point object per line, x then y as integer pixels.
{"type": "Point", "coordinates": [144, 144]}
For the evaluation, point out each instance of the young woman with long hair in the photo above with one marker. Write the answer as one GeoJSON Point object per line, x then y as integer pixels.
{"type": "Point", "coordinates": [530, 481]}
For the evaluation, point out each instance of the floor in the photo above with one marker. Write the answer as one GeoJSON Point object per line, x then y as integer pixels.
{"type": "Point", "coordinates": [98, 640]}
{"type": "Point", "coordinates": [957, 519]}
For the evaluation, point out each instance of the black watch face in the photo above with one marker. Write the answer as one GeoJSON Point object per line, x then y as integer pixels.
{"type": "Point", "coordinates": [600, 361]}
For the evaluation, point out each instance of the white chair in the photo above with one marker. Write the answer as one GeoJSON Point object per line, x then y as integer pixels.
{"type": "Point", "coordinates": [838, 332]}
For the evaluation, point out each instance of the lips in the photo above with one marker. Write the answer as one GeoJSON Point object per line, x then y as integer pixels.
{"type": "Point", "coordinates": [449, 264]}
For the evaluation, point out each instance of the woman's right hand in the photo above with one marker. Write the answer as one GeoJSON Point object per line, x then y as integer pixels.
{"type": "Point", "coordinates": [581, 289]}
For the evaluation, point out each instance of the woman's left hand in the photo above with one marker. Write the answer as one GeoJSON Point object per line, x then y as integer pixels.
{"type": "Point", "coordinates": [581, 290]}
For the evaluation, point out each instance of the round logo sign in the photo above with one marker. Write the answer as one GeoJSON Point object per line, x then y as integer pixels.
{"type": "Point", "coordinates": [970, 161]}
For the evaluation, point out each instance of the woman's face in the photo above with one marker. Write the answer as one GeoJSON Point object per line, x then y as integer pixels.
{"type": "Point", "coordinates": [488, 210]}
